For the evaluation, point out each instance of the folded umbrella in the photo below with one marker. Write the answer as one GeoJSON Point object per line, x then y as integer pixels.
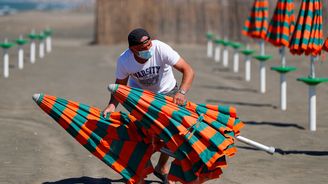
{"type": "Point", "coordinates": [256, 25]}
{"type": "Point", "coordinates": [115, 140]}
{"type": "Point", "coordinates": [308, 36]}
{"type": "Point", "coordinates": [198, 135]}
{"type": "Point", "coordinates": [282, 23]}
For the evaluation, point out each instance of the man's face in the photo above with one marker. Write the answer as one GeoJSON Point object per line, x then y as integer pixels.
{"type": "Point", "coordinates": [145, 44]}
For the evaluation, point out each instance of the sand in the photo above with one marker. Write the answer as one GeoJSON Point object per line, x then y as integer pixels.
{"type": "Point", "coordinates": [34, 149]}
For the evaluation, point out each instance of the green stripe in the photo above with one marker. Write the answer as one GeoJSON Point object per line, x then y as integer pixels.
{"type": "Point", "coordinates": [137, 155]}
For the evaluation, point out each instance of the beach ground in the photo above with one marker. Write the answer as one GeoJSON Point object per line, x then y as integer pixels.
{"type": "Point", "coordinates": [34, 149]}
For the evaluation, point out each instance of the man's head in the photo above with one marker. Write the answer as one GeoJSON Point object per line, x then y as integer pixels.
{"type": "Point", "coordinates": [140, 43]}
{"type": "Point", "coordinates": [137, 37]}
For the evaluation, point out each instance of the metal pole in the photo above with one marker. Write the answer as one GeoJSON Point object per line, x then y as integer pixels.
{"type": "Point", "coordinates": [41, 48]}
{"type": "Point", "coordinates": [236, 61]}
{"type": "Point", "coordinates": [283, 83]}
{"type": "Point", "coordinates": [312, 99]}
{"type": "Point", "coordinates": [225, 56]}
{"type": "Point", "coordinates": [20, 57]}
{"type": "Point", "coordinates": [283, 57]}
{"type": "Point", "coordinates": [312, 108]}
{"type": "Point", "coordinates": [260, 146]}
{"type": "Point", "coordinates": [5, 63]}
{"type": "Point", "coordinates": [283, 92]}
{"type": "Point", "coordinates": [209, 48]}
{"type": "Point", "coordinates": [262, 68]}
{"type": "Point", "coordinates": [248, 68]}
{"type": "Point", "coordinates": [217, 54]}
{"type": "Point", "coordinates": [262, 77]}
{"type": "Point", "coordinates": [48, 44]}
{"type": "Point", "coordinates": [32, 52]}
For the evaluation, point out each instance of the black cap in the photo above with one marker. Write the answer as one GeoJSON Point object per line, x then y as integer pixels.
{"type": "Point", "coordinates": [136, 35]}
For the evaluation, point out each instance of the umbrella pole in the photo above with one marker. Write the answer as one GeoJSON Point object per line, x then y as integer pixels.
{"type": "Point", "coordinates": [5, 63]}
{"type": "Point", "coordinates": [48, 44]}
{"type": "Point", "coordinates": [236, 61]}
{"type": "Point", "coordinates": [209, 48]}
{"type": "Point", "coordinates": [217, 54]}
{"type": "Point", "coordinates": [225, 55]}
{"type": "Point", "coordinates": [247, 66]}
{"type": "Point", "coordinates": [20, 57]}
{"type": "Point", "coordinates": [283, 83]}
{"type": "Point", "coordinates": [260, 146]}
{"type": "Point", "coordinates": [262, 68]}
{"type": "Point", "coordinates": [41, 48]}
{"type": "Point", "coordinates": [32, 52]}
{"type": "Point", "coordinates": [312, 99]}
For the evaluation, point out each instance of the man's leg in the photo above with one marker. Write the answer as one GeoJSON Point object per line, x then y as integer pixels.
{"type": "Point", "coordinates": [162, 164]}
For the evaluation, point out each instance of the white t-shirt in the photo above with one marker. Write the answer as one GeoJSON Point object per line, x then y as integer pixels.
{"type": "Point", "coordinates": [155, 75]}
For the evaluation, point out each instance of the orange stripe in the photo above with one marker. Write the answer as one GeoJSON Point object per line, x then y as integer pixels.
{"type": "Point", "coordinates": [102, 149]}
{"type": "Point", "coordinates": [47, 103]}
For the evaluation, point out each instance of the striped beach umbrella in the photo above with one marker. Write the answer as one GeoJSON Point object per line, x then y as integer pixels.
{"type": "Point", "coordinates": [282, 23]}
{"type": "Point", "coordinates": [308, 39]}
{"type": "Point", "coordinates": [256, 25]}
{"type": "Point", "coordinates": [308, 36]}
{"type": "Point", "coordinates": [200, 136]}
{"type": "Point", "coordinates": [279, 32]}
{"type": "Point", "coordinates": [115, 140]}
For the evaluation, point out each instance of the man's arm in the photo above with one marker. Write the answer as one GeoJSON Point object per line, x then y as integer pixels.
{"type": "Point", "coordinates": [187, 78]}
{"type": "Point", "coordinates": [113, 102]}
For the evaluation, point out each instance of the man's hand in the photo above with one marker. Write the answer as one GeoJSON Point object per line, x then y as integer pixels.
{"type": "Point", "coordinates": [110, 108]}
{"type": "Point", "coordinates": [179, 99]}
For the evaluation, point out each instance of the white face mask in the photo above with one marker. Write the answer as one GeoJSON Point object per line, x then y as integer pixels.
{"type": "Point", "coordinates": [146, 54]}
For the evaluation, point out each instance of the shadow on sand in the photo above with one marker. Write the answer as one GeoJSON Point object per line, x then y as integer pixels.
{"type": "Point", "coordinates": [277, 124]}
{"type": "Point", "coordinates": [89, 180]}
{"type": "Point", "coordinates": [241, 103]}
{"type": "Point", "coordinates": [229, 88]}
{"type": "Point", "coordinates": [289, 152]}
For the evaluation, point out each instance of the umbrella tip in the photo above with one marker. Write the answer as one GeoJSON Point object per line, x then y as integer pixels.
{"type": "Point", "coordinates": [112, 87]}
{"type": "Point", "coordinates": [36, 97]}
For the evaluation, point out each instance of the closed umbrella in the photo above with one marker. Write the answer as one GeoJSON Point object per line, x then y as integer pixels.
{"type": "Point", "coordinates": [308, 39]}
{"type": "Point", "coordinates": [279, 32]}
{"type": "Point", "coordinates": [200, 136]}
{"type": "Point", "coordinates": [115, 140]}
{"type": "Point", "coordinates": [256, 26]}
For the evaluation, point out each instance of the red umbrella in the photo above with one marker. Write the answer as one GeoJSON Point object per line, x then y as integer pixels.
{"type": "Point", "coordinates": [198, 135]}
{"type": "Point", "coordinates": [116, 140]}
{"type": "Point", "coordinates": [308, 36]}
{"type": "Point", "coordinates": [282, 23]}
{"type": "Point", "coordinates": [256, 25]}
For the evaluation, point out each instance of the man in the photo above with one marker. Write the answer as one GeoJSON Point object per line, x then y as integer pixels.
{"type": "Point", "coordinates": [147, 64]}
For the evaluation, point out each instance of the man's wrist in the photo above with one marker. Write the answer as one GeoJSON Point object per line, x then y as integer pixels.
{"type": "Point", "coordinates": [181, 91]}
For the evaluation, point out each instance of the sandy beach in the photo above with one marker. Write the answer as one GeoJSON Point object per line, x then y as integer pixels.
{"type": "Point", "coordinates": [34, 149]}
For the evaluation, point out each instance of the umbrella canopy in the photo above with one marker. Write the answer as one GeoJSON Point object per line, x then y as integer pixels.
{"type": "Point", "coordinates": [282, 23]}
{"type": "Point", "coordinates": [115, 140]}
{"type": "Point", "coordinates": [256, 25]}
{"type": "Point", "coordinates": [199, 135]}
{"type": "Point", "coordinates": [325, 46]}
{"type": "Point", "coordinates": [308, 36]}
